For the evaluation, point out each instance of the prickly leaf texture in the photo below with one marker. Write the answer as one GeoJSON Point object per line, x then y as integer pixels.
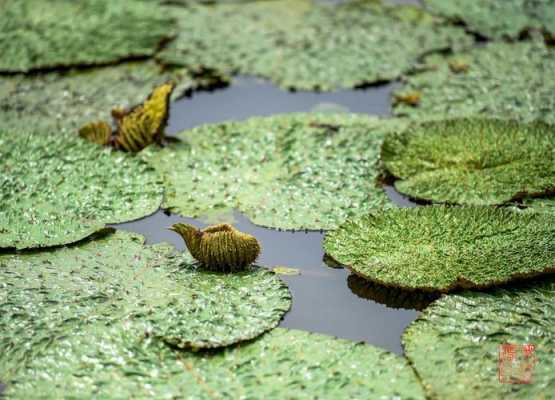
{"type": "Point", "coordinates": [57, 189]}
{"type": "Point", "coordinates": [472, 161]}
{"type": "Point", "coordinates": [145, 123]}
{"type": "Point", "coordinates": [498, 19]}
{"type": "Point", "coordinates": [304, 45]}
{"type": "Point", "coordinates": [99, 132]}
{"type": "Point", "coordinates": [503, 80]}
{"type": "Point", "coordinates": [116, 363]}
{"type": "Point", "coordinates": [38, 34]}
{"type": "Point", "coordinates": [454, 344]}
{"type": "Point", "coordinates": [443, 248]}
{"type": "Point", "coordinates": [291, 171]}
{"type": "Point", "coordinates": [65, 101]}
{"type": "Point", "coordinates": [220, 247]}
{"type": "Point", "coordinates": [117, 280]}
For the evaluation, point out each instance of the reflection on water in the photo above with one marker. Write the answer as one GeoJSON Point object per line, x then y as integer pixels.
{"type": "Point", "coordinates": [390, 296]}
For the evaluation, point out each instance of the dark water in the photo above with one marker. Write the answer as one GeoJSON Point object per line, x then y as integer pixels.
{"type": "Point", "coordinates": [322, 299]}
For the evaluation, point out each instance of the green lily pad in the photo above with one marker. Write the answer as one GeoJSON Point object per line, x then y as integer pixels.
{"type": "Point", "coordinates": [498, 19]}
{"type": "Point", "coordinates": [58, 292]}
{"type": "Point", "coordinates": [57, 189]}
{"type": "Point", "coordinates": [114, 363]}
{"type": "Point", "coordinates": [296, 171]}
{"type": "Point", "coordinates": [502, 80]}
{"type": "Point", "coordinates": [38, 34]}
{"type": "Point", "coordinates": [472, 161]}
{"type": "Point", "coordinates": [303, 45]}
{"type": "Point", "coordinates": [455, 344]}
{"type": "Point", "coordinates": [443, 248]}
{"type": "Point", "coordinates": [65, 101]}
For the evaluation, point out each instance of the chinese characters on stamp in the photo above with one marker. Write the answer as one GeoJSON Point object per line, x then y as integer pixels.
{"type": "Point", "coordinates": [516, 363]}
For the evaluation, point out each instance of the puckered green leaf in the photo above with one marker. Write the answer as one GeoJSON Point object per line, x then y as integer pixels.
{"type": "Point", "coordinates": [304, 45]}
{"type": "Point", "coordinates": [115, 279]}
{"type": "Point", "coordinates": [498, 19]}
{"type": "Point", "coordinates": [502, 80]}
{"type": "Point", "coordinates": [64, 101]}
{"type": "Point", "coordinates": [292, 171]}
{"type": "Point", "coordinates": [444, 248]}
{"type": "Point", "coordinates": [50, 33]}
{"type": "Point", "coordinates": [455, 344]}
{"type": "Point", "coordinates": [114, 363]}
{"type": "Point", "coordinates": [472, 161]}
{"type": "Point", "coordinates": [57, 189]}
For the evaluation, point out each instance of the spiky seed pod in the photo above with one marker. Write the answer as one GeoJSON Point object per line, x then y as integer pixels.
{"type": "Point", "coordinates": [219, 247]}
{"type": "Point", "coordinates": [145, 123]}
{"type": "Point", "coordinates": [99, 132]}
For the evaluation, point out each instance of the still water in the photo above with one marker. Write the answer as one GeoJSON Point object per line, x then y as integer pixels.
{"type": "Point", "coordinates": [322, 299]}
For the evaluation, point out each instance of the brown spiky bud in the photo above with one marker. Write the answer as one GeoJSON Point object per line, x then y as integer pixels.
{"type": "Point", "coordinates": [220, 247]}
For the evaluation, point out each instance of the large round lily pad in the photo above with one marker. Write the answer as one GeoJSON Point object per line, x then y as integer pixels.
{"type": "Point", "coordinates": [472, 161]}
{"type": "Point", "coordinates": [292, 171]}
{"type": "Point", "coordinates": [455, 344]}
{"type": "Point", "coordinates": [64, 101]}
{"type": "Point", "coordinates": [57, 189]}
{"type": "Point", "coordinates": [496, 80]}
{"type": "Point", "coordinates": [115, 279]}
{"type": "Point", "coordinates": [114, 364]}
{"type": "Point", "coordinates": [38, 34]}
{"type": "Point", "coordinates": [498, 19]}
{"type": "Point", "coordinates": [304, 45]}
{"type": "Point", "coordinates": [444, 248]}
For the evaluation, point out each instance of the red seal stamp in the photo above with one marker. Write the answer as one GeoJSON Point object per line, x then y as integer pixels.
{"type": "Point", "coordinates": [516, 363]}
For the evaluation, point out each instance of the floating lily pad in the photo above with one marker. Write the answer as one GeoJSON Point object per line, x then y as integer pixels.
{"type": "Point", "coordinates": [58, 292]}
{"type": "Point", "coordinates": [296, 171]}
{"type": "Point", "coordinates": [113, 363]}
{"type": "Point", "coordinates": [57, 189]}
{"type": "Point", "coordinates": [472, 161]}
{"type": "Point", "coordinates": [502, 80]}
{"type": "Point", "coordinates": [282, 270]}
{"type": "Point", "coordinates": [443, 248]}
{"type": "Point", "coordinates": [64, 101]}
{"type": "Point", "coordinates": [498, 19]}
{"type": "Point", "coordinates": [37, 34]}
{"type": "Point", "coordinates": [455, 344]}
{"type": "Point", "coordinates": [303, 45]}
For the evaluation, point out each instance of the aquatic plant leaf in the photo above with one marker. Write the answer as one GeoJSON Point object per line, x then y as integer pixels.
{"type": "Point", "coordinates": [99, 132]}
{"type": "Point", "coordinates": [57, 189]}
{"type": "Point", "coordinates": [39, 34]}
{"type": "Point", "coordinates": [498, 19]}
{"type": "Point", "coordinates": [295, 171]}
{"type": "Point", "coordinates": [113, 363]}
{"type": "Point", "coordinates": [115, 279]}
{"type": "Point", "coordinates": [472, 161]}
{"type": "Point", "coordinates": [503, 80]}
{"type": "Point", "coordinates": [145, 123]}
{"type": "Point", "coordinates": [303, 45]}
{"type": "Point", "coordinates": [454, 345]}
{"type": "Point", "coordinates": [57, 102]}
{"type": "Point", "coordinates": [219, 247]}
{"type": "Point", "coordinates": [440, 248]}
